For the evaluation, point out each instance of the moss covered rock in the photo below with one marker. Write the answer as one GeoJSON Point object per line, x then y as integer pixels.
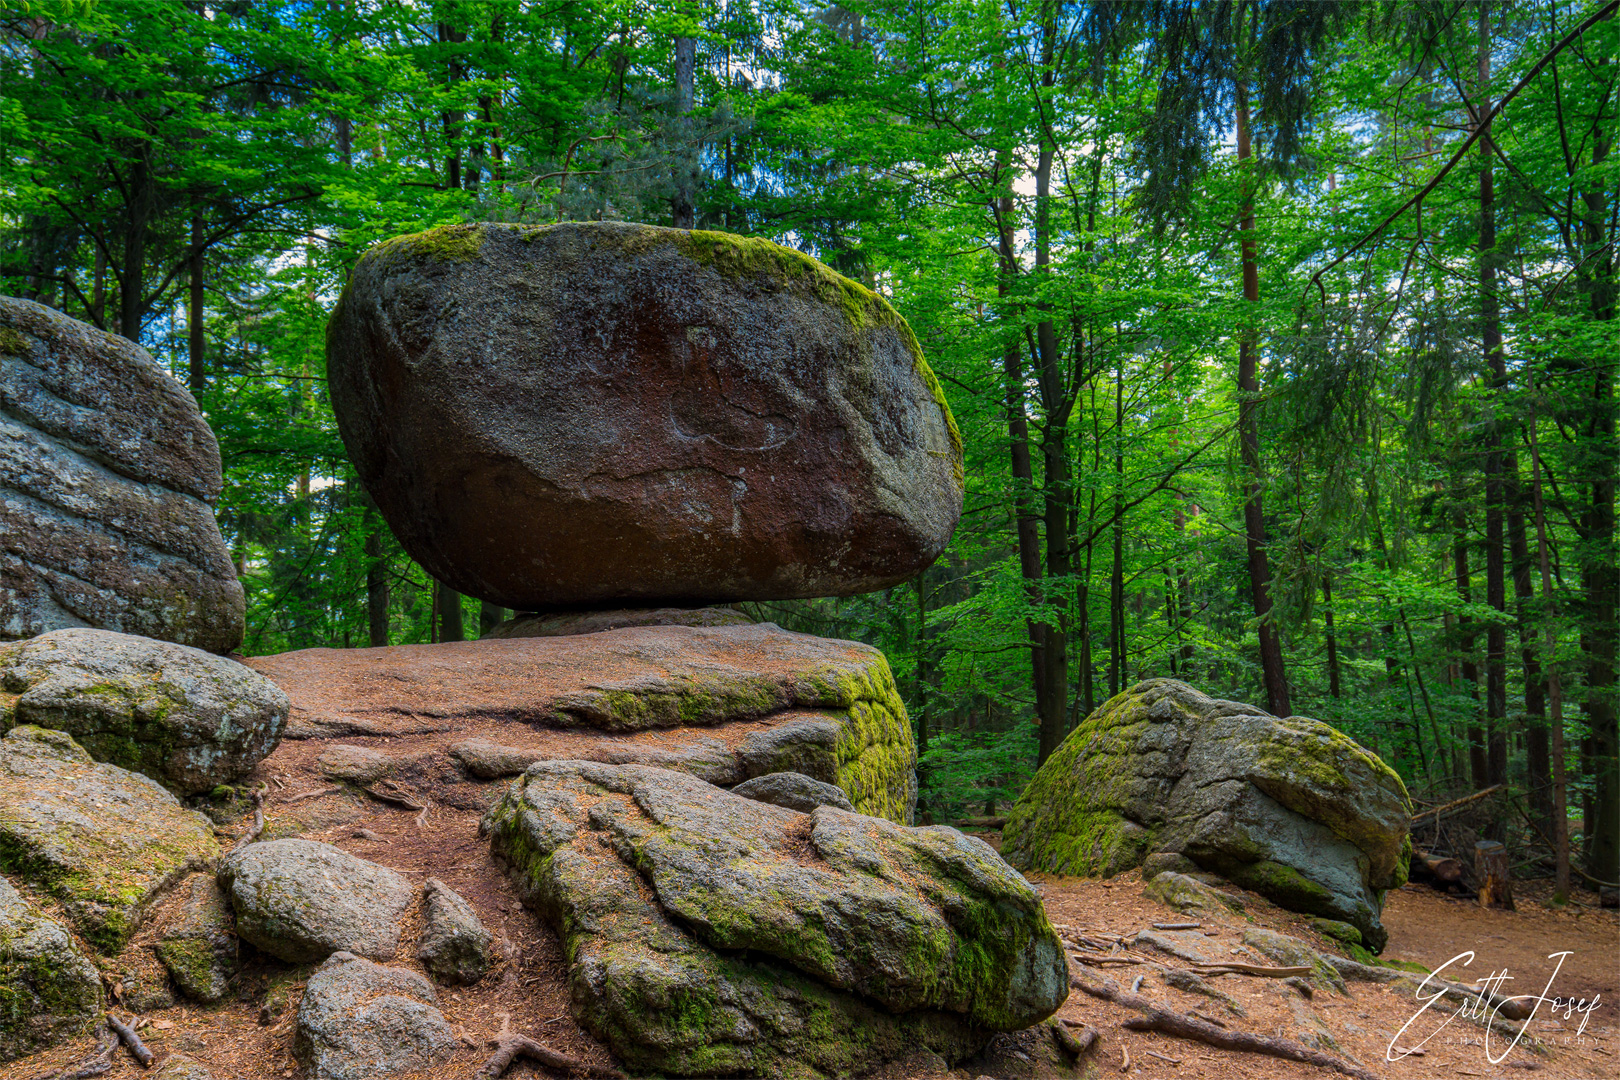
{"type": "Point", "coordinates": [108, 475]}
{"type": "Point", "coordinates": [186, 718]}
{"type": "Point", "coordinates": [103, 840]}
{"type": "Point", "coordinates": [49, 990]}
{"type": "Point", "coordinates": [362, 1021]}
{"type": "Point", "coordinates": [1290, 808]}
{"type": "Point", "coordinates": [198, 941]}
{"type": "Point", "coordinates": [709, 934]}
{"type": "Point", "coordinates": [593, 413]}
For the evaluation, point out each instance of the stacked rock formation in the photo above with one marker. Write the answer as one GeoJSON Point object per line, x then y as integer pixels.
{"type": "Point", "coordinates": [108, 473]}
{"type": "Point", "coordinates": [1164, 777]}
{"type": "Point", "coordinates": [617, 415]}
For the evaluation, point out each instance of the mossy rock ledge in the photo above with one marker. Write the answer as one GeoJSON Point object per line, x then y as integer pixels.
{"type": "Point", "coordinates": [601, 414]}
{"type": "Point", "coordinates": [49, 990]}
{"type": "Point", "coordinates": [712, 935]}
{"type": "Point", "coordinates": [104, 841]}
{"type": "Point", "coordinates": [108, 477]}
{"type": "Point", "coordinates": [187, 718]}
{"type": "Point", "coordinates": [1290, 808]}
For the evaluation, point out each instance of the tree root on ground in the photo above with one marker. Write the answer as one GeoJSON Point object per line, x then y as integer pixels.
{"type": "Point", "coordinates": [509, 1046]}
{"type": "Point", "coordinates": [95, 1065]}
{"type": "Point", "coordinates": [257, 827]}
{"type": "Point", "coordinates": [1185, 1027]}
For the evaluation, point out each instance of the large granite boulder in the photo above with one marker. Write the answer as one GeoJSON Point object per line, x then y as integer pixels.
{"type": "Point", "coordinates": [592, 412]}
{"type": "Point", "coordinates": [725, 703]}
{"type": "Point", "coordinates": [709, 934]}
{"type": "Point", "coordinates": [184, 717]}
{"type": "Point", "coordinates": [108, 475]}
{"type": "Point", "coordinates": [564, 623]}
{"type": "Point", "coordinates": [363, 1021]}
{"type": "Point", "coordinates": [1291, 809]}
{"type": "Point", "coordinates": [302, 901]}
{"type": "Point", "coordinates": [49, 990]}
{"type": "Point", "coordinates": [105, 841]}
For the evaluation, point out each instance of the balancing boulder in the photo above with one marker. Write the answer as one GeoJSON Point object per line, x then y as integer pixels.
{"type": "Point", "coordinates": [1292, 809]}
{"type": "Point", "coordinates": [607, 414]}
{"type": "Point", "coordinates": [108, 474]}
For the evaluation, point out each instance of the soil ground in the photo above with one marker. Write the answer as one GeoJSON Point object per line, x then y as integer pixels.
{"type": "Point", "coordinates": [250, 1036]}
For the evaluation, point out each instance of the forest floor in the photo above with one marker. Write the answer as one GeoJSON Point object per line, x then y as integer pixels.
{"type": "Point", "coordinates": [250, 1036]}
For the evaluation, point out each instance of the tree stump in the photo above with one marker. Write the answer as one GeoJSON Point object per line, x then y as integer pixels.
{"type": "Point", "coordinates": [1495, 882]}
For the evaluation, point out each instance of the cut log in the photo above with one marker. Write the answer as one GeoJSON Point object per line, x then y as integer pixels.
{"type": "Point", "coordinates": [1441, 868]}
{"type": "Point", "coordinates": [1495, 878]}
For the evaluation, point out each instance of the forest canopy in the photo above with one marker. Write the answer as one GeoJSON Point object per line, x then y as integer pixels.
{"type": "Point", "coordinates": [1281, 335]}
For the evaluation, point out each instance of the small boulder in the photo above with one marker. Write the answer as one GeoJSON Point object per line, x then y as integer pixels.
{"type": "Point", "coordinates": [105, 841]}
{"type": "Point", "coordinates": [491, 761]}
{"type": "Point", "coordinates": [108, 476]}
{"type": "Point", "coordinates": [49, 990]}
{"type": "Point", "coordinates": [301, 901]}
{"type": "Point", "coordinates": [198, 945]}
{"type": "Point", "coordinates": [792, 790]}
{"type": "Point", "coordinates": [455, 946]}
{"type": "Point", "coordinates": [597, 413]}
{"type": "Point", "coordinates": [566, 623]}
{"type": "Point", "coordinates": [1188, 894]}
{"type": "Point", "coordinates": [363, 1021]}
{"type": "Point", "coordinates": [186, 718]}
{"type": "Point", "coordinates": [1288, 808]}
{"type": "Point", "coordinates": [770, 940]}
{"type": "Point", "coordinates": [181, 1067]}
{"type": "Point", "coordinates": [356, 764]}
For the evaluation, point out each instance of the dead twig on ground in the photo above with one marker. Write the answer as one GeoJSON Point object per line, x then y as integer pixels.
{"type": "Point", "coordinates": [509, 1046]}
{"type": "Point", "coordinates": [1178, 926]}
{"type": "Point", "coordinates": [389, 792]}
{"type": "Point", "coordinates": [126, 1032]}
{"type": "Point", "coordinates": [1095, 959]}
{"type": "Point", "coordinates": [1165, 1022]}
{"type": "Point", "coordinates": [1124, 1058]}
{"type": "Point", "coordinates": [1236, 967]}
{"type": "Point", "coordinates": [1074, 1045]}
{"type": "Point", "coordinates": [1163, 1057]}
{"type": "Point", "coordinates": [301, 796]}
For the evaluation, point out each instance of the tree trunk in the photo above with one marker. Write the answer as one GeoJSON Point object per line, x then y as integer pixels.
{"type": "Point", "coordinates": [1477, 766]}
{"type": "Point", "coordinates": [1332, 638]}
{"type": "Point", "coordinates": [685, 65]}
{"type": "Point", "coordinates": [1254, 522]}
{"type": "Point", "coordinates": [376, 590]}
{"type": "Point", "coordinates": [132, 282]}
{"type": "Point", "coordinates": [1491, 338]}
{"type": "Point", "coordinates": [1116, 576]}
{"type": "Point", "coordinates": [1555, 694]}
{"type": "Point", "coordinates": [196, 362]}
{"type": "Point", "coordinates": [922, 666]}
{"type": "Point", "coordinates": [452, 118]}
{"type": "Point", "coordinates": [451, 627]}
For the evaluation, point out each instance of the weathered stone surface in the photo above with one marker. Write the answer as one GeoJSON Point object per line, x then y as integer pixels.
{"type": "Point", "coordinates": [1291, 809]}
{"type": "Point", "coordinates": [108, 473]}
{"type": "Point", "coordinates": [792, 790]}
{"type": "Point", "coordinates": [181, 1067]}
{"type": "Point", "coordinates": [825, 708]}
{"type": "Point", "coordinates": [1188, 894]}
{"type": "Point", "coordinates": [587, 413]}
{"type": "Point", "coordinates": [184, 717]}
{"type": "Point", "coordinates": [362, 1021]}
{"type": "Point", "coordinates": [711, 934]}
{"type": "Point", "coordinates": [566, 623]}
{"type": "Point", "coordinates": [103, 840]}
{"type": "Point", "coordinates": [198, 944]}
{"type": "Point", "coordinates": [301, 900]}
{"type": "Point", "coordinates": [356, 764]}
{"type": "Point", "coordinates": [49, 990]}
{"type": "Point", "coordinates": [1286, 951]}
{"type": "Point", "coordinates": [455, 945]}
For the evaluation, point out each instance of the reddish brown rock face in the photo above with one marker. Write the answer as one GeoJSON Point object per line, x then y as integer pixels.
{"type": "Point", "coordinates": [592, 413]}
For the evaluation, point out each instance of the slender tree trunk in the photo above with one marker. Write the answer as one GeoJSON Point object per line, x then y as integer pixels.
{"type": "Point", "coordinates": [132, 282]}
{"type": "Point", "coordinates": [1332, 638]}
{"type": "Point", "coordinates": [451, 626]}
{"type": "Point", "coordinates": [197, 369]}
{"type": "Point", "coordinates": [1117, 674]}
{"type": "Point", "coordinates": [98, 296]}
{"type": "Point", "coordinates": [1478, 770]}
{"type": "Point", "coordinates": [452, 118]}
{"type": "Point", "coordinates": [1555, 695]}
{"type": "Point", "coordinates": [1537, 760]}
{"type": "Point", "coordinates": [685, 66]}
{"type": "Point", "coordinates": [1491, 337]}
{"type": "Point", "coordinates": [1254, 521]}
{"type": "Point", "coordinates": [376, 590]}
{"type": "Point", "coordinates": [923, 673]}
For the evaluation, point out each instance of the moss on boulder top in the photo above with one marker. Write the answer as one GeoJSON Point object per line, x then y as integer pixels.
{"type": "Point", "coordinates": [599, 414]}
{"type": "Point", "coordinates": [712, 934]}
{"type": "Point", "coordinates": [1290, 808]}
{"type": "Point", "coordinates": [104, 841]}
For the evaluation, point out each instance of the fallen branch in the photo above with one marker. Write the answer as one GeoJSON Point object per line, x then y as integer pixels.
{"type": "Point", "coordinates": [1074, 1045]}
{"type": "Point", "coordinates": [257, 827]}
{"type": "Point", "coordinates": [1163, 1057]}
{"type": "Point", "coordinates": [1185, 1027]}
{"type": "Point", "coordinates": [509, 1045]}
{"type": "Point", "coordinates": [1178, 926]}
{"type": "Point", "coordinates": [1124, 1058]}
{"type": "Point", "coordinates": [126, 1032]}
{"type": "Point", "coordinates": [1455, 804]}
{"type": "Point", "coordinates": [1095, 958]}
{"type": "Point", "coordinates": [94, 1065]}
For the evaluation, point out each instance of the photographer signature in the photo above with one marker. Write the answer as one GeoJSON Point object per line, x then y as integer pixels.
{"type": "Point", "coordinates": [1479, 1007]}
